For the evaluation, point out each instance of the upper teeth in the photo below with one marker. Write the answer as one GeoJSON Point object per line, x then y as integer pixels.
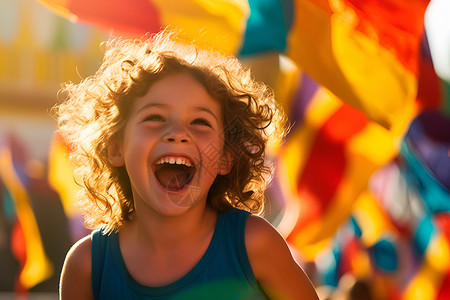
{"type": "Point", "coordinates": [174, 160]}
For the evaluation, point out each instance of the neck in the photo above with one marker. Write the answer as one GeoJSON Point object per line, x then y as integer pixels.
{"type": "Point", "coordinates": [160, 233]}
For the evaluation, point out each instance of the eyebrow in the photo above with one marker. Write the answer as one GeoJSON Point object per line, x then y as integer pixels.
{"type": "Point", "coordinates": [162, 105]}
{"type": "Point", "coordinates": [200, 108]}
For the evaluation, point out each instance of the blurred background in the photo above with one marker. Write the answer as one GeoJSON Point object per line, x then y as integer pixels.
{"type": "Point", "coordinates": [362, 188]}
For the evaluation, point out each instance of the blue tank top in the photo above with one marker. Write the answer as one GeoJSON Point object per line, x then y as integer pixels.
{"type": "Point", "coordinates": [224, 271]}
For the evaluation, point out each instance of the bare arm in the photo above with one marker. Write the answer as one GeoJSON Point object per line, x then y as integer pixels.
{"type": "Point", "coordinates": [76, 273]}
{"type": "Point", "coordinates": [273, 265]}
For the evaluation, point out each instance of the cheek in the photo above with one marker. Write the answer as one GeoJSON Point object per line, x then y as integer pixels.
{"type": "Point", "coordinates": [211, 143]}
{"type": "Point", "coordinates": [211, 152]}
{"type": "Point", "coordinates": [136, 151]}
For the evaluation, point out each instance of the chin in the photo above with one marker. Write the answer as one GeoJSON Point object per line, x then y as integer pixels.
{"type": "Point", "coordinates": [175, 203]}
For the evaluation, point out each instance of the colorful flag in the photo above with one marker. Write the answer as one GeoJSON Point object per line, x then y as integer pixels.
{"type": "Point", "coordinates": [27, 240]}
{"type": "Point", "coordinates": [326, 164]}
{"type": "Point", "coordinates": [218, 24]}
{"type": "Point", "coordinates": [365, 52]}
{"type": "Point", "coordinates": [61, 179]}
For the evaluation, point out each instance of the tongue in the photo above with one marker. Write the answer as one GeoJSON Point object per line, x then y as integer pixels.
{"type": "Point", "coordinates": [172, 177]}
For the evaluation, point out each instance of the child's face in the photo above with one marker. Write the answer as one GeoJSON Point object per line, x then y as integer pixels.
{"type": "Point", "coordinates": [172, 146]}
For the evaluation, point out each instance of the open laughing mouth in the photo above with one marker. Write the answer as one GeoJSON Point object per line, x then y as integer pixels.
{"type": "Point", "coordinates": [174, 172]}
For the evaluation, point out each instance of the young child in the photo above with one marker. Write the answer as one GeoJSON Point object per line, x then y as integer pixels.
{"type": "Point", "coordinates": [169, 143]}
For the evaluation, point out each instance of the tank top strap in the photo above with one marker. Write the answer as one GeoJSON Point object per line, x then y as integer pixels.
{"type": "Point", "coordinates": [98, 242]}
{"type": "Point", "coordinates": [235, 228]}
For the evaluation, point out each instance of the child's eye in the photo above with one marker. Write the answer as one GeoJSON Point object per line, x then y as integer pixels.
{"type": "Point", "coordinates": [155, 118]}
{"type": "Point", "coordinates": [201, 121]}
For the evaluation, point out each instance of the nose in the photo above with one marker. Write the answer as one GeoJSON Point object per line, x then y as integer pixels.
{"type": "Point", "coordinates": [176, 134]}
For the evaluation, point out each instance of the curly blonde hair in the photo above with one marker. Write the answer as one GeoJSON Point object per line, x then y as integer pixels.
{"type": "Point", "coordinates": [96, 111]}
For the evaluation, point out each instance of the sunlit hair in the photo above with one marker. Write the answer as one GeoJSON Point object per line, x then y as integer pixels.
{"type": "Point", "coordinates": [96, 111]}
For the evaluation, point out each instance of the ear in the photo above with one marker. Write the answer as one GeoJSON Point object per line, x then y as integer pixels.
{"type": "Point", "coordinates": [115, 153]}
{"type": "Point", "coordinates": [225, 162]}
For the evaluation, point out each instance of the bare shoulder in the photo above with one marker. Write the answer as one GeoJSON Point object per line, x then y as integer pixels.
{"type": "Point", "coordinates": [273, 264]}
{"type": "Point", "coordinates": [76, 273]}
